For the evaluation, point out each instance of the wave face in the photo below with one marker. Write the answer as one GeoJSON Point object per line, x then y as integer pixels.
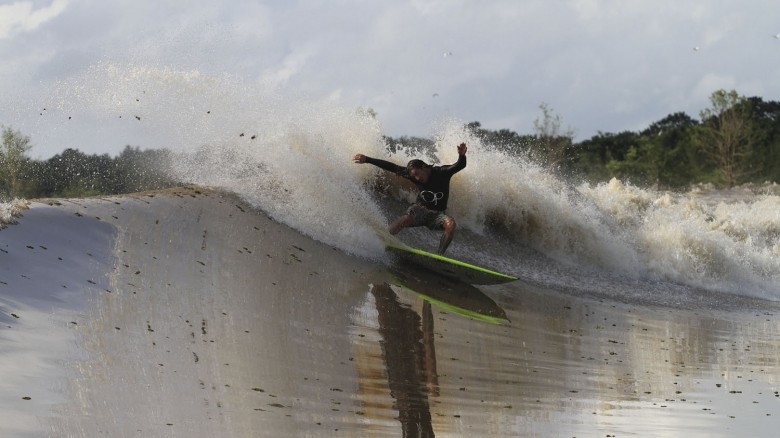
{"type": "Point", "coordinates": [291, 156]}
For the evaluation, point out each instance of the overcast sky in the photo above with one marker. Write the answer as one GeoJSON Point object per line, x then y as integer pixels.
{"type": "Point", "coordinates": [601, 65]}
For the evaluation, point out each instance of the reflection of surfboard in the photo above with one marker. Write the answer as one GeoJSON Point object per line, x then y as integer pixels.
{"type": "Point", "coordinates": [450, 295]}
{"type": "Point", "coordinates": [462, 271]}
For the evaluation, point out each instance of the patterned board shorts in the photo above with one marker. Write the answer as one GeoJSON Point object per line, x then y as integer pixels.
{"type": "Point", "coordinates": [422, 216]}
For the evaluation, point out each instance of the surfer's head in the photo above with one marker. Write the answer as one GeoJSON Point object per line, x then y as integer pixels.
{"type": "Point", "coordinates": [416, 164]}
{"type": "Point", "coordinates": [419, 170]}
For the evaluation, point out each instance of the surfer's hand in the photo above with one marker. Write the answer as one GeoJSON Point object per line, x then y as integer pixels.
{"type": "Point", "coordinates": [359, 158]}
{"type": "Point", "coordinates": [462, 149]}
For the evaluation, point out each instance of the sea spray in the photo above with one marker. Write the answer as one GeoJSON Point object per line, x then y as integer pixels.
{"type": "Point", "coordinates": [10, 211]}
{"type": "Point", "coordinates": [287, 154]}
{"type": "Point", "coordinates": [302, 174]}
{"type": "Point", "coordinates": [539, 209]}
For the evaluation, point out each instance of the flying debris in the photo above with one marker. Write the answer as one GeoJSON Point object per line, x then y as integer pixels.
{"type": "Point", "coordinates": [446, 54]}
{"type": "Point", "coordinates": [696, 49]}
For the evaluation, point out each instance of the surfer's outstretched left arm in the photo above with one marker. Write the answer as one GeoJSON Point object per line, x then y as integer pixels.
{"type": "Point", "coordinates": [382, 164]}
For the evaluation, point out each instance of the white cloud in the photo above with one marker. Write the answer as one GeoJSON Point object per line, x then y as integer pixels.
{"type": "Point", "coordinates": [21, 17]}
{"type": "Point", "coordinates": [710, 83]}
{"type": "Point", "coordinates": [605, 65]}
{"type": "Point", "coordinates": [292, 64]}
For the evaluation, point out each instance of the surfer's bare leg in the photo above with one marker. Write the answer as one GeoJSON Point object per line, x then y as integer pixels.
{"type": "Point", "coordinates": [449, 232]}
{"type": "Point", "coordinates": [402, 222]}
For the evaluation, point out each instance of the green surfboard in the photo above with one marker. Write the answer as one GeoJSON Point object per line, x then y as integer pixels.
{"type": "Point", "coordinates": [449, 267]}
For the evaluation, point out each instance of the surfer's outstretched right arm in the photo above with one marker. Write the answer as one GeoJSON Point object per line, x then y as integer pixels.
{"type": "Point", "coordinates": [382, 164]}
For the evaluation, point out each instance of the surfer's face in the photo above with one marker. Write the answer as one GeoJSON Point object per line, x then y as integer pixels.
{"type": "Point", "coordinates": [420, 174]}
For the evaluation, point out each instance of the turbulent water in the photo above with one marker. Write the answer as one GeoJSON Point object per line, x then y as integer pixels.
{"type": "Point", "coordinates": [291, 156]}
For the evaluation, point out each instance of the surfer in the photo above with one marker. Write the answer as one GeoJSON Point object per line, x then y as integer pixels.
{"type": "Point", "coordinates": [434, 183]}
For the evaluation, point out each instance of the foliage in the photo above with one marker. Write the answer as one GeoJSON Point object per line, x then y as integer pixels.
{"type": "Point", "coordinates": [765, 119]}
{"type": "Point", "coordinates": [726, 136]}
{"type": "Point", "coordinates": [657, 155]}
{"type": "Point", "coordinates": [75, 174]}
{"type": "Point", "coordinates": [552, 146]}
{"type": "Point", "coordinates": [737, 141]}
{"type": "Point", "coordinates": [13, 160]}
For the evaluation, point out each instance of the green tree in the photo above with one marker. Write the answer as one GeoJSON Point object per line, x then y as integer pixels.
{"type": "Point", "coordinates": [504, 140]}
{"type": "Point", "coordinates": [766, 127]}
{"type": "Point", "coordinates": [594, 154]}
{"type": "Point", "coordinates": [726, 136]}
{"type": "Point", "coordinates": [552, 144]}
{"type": "Point", "coordinates": [138, 170]}
{"type": "Point", "coordinates": [13, 158]}
{"type": "Point", "coordinates": [67, 174]}
{"type": "Point", "coordinates": [674, 162]}
{"type": "Point", "coordinates": [639, 164]}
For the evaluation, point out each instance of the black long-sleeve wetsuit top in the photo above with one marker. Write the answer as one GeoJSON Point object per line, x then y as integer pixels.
{"type": "Point", "coordinates": [436, 191]}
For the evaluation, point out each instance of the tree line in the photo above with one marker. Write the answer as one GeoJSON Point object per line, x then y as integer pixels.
{"type": "Point", "coordinates": [736, 141]}
{"type": "Point", "coordinates": [73, 173]}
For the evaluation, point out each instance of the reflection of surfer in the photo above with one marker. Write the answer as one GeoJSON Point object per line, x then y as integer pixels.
{"type": "Point", "coordinates": [434, 184]}
{"type": "Point", "coordinates": [410, 360]}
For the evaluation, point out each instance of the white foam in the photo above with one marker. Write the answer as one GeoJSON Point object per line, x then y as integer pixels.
{"type": "Point", "coordinates": [9, 211]}
{"type": "Point", "coordinates": [684, 238]}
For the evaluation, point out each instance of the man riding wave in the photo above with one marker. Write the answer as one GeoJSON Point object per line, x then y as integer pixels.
{"type": "Point", "coordinates": [430, 206]}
